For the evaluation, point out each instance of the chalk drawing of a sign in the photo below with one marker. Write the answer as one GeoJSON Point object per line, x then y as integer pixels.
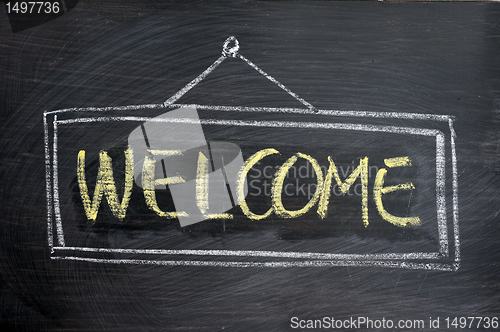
{"type": "Point", "coordinates": [200, 169]}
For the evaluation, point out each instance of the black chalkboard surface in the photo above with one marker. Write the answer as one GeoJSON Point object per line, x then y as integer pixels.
{"type": "Point", "coordinates": [328, 165]}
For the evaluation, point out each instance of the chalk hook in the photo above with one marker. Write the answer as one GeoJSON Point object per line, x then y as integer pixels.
{"type": "Point", "coordinates": [231, 50]}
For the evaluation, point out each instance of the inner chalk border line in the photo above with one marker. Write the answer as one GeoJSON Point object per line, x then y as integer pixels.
{"type": "Point", "coordinates": [313, 259]}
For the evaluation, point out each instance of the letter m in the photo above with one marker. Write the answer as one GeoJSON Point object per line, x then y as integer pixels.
{"type": "Point", "coordinates": [105, 184]}
{"type": "Point", "coordinates": [361, 171]}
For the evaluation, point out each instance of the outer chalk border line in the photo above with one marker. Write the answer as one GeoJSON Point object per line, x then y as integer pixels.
{"type": "Point", "coordinates": [312, 263]}
{"type": "Point", "coordinates": [313, 258]}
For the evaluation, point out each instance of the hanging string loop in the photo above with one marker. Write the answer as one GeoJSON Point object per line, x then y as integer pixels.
{"type": "Point", "coordinates": [231, 47]}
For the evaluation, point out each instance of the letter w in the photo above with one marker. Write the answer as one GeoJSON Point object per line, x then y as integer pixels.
{"type": "Point", "coordinates": [105, 183]}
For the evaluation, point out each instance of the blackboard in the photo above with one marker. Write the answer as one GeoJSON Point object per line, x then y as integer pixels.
{"type": "Point", "coordinates": [391, 95]}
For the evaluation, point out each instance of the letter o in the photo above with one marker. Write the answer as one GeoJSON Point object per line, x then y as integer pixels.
{"type": "Point", "coordinates": [277, 187]}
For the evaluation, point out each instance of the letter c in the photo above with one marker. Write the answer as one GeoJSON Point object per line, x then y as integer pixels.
{"type": "Point", "coordinates": [240, 191]}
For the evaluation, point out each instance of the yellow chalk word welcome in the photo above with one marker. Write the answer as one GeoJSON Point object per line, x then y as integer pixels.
{"type": "Point", "coordinates": [105, 185]}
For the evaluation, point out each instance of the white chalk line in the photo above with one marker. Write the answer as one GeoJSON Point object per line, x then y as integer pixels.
{"type": "Point", "coordinates": [57, 208]}
{"type": "Point", "coordinates": [441, 195]}
{"type": "Point", "coordinates": [339, 113]}
{"type": "Point", "coordinates": [48, 188]}
{"type": "Point", "coordinates": [107, 108]}
{"type": "Point", "coordinates": [273, 124]}
{"type": "Point", "coordinates": [456, 229]}
{"type": "Point", "coordinates": [248, 109]}
{"type": "Point", "coordinates": [272, 79]}
{"type": "Point", "coordinates": [259, 253]}
{"type": "Point", "coordinates": [194, 82]}
{"type": "Point", "coordinates": [360, 263]}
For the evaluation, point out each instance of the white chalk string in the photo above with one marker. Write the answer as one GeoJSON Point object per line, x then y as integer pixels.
{"type": "Point", "coordinates": [230, 48]}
